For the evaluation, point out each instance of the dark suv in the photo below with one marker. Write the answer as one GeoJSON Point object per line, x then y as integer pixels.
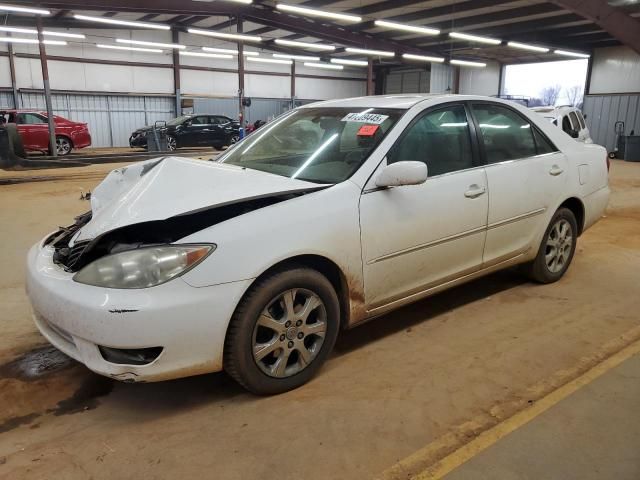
{"type": "Point", "coordinates": [196, 130]}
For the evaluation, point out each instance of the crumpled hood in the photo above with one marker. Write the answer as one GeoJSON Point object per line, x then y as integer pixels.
{"type": "Point", "coordinates": [161, 188]}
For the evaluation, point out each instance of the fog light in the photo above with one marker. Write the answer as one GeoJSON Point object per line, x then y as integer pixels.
{"type": "Point", "coordinates": [130, 356]}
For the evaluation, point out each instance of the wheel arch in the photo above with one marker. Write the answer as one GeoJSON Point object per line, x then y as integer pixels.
{"type": "Point", "coordinates": [68, 137]}
{"type": "Point", "coordinates": [577, 207]}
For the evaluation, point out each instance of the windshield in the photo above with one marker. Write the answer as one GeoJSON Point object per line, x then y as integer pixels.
{"type": "Point", "coordinates": [322, 145]}
{"type": "Point", "coordinates": [179, 120]}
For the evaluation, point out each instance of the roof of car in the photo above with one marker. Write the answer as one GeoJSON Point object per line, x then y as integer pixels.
{"type": "Point", "coordinates": [399, 101]}
{"type": "Point", "coordinates": [555, 111]}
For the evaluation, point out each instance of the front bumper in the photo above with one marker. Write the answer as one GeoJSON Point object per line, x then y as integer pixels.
{"type": "Point", "coordinates": [138, 141]}
{"type": "Point", "coordinates": [189, 323]}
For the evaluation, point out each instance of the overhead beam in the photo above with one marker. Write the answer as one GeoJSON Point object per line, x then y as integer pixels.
{"type": "Point", "coordinates": [620, 25]}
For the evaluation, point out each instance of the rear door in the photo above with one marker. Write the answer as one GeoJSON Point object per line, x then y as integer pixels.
{"type": "Point", "coordinates": [526, 176]}
{"type": "Point", "coordinates": [195, 134]}
{"type": "Point", "coordinates": [34, 130]}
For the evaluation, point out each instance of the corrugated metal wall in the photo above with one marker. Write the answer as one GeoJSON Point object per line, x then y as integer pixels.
{"type": "Point", "coordinates": [260, 109]}
{"type": "Point", "coordinates": [407, 81]}
{"type": "Point", "coordinates": [111, 118]}
{"type": "Point", "coordinates": [603, 111]}
{"type": "Point", "coordinates": [6, 99]}
{"type": "Point", "coordinates": [441, 78]}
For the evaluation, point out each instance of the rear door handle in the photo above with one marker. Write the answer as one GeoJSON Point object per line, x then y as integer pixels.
{"type": "Point", "coordinates": [474, 191]}
{"type": "Point", "coordinates": [555, 170]}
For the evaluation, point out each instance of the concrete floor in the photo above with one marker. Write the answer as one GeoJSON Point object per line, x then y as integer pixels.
{"type": "Point", "coordinates": [399, 393]}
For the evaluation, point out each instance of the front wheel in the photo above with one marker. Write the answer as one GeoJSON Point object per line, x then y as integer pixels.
{"type": "Point", "coordinates": [172, 143]}
{"type": "Point", "coordinates": [63, 145]}
{"type": "Point", "coordinates": [282, 331]}
{"type": "Point", "coordinates": [557, 248]}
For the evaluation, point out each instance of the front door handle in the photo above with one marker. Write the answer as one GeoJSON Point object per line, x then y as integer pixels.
{"type": "Point", "coordinates": [474, 191]}
{"type": "Point", "coordinates": [555, 170]}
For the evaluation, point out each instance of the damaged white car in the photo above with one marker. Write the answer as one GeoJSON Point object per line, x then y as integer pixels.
{"type": "Point", "coordinates": [334, 213]}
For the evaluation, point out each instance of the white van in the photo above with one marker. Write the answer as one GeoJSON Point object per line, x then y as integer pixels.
{"type": "Point", "coordinates": [568, 118]}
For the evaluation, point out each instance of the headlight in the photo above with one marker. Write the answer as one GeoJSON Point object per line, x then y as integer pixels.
{"type": "Point", "coordinates": [142, 268]}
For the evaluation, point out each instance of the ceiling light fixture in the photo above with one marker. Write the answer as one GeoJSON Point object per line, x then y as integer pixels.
{"type": "Point", "coordinates": [31, 41]}
{"type": "Point", "coordinates": [475, 38]}
{"type": "Point", "coordinates": [229, 51]}
{"type": "Point", "coordinates": [571, 54]}
{"type": "Point", "coordinates": [466, 63]}
{"type": "Point", "coordinates": [364, 51]}
{"type": "Point", "coordinates": [126, 23]}
{"type": "Point", "coordinates": [206, 55]}
{"type": "Point", "coordinates": [13, 8]}
{"type": "Point", "coordinates": [422, 58]}
{"type": "Point", "coordinates": [297, 57]}
{"type": "Point", "coordinates": [312, 12]}
{"type": "Point", "coordinates": [355, 63]}
{"type": "Point", "coordinates": [270, 60]}
{"type": "Point", "coordinates": [309, 46]}
{"type": "Point", "coordinates": [133, 49]}
{"type": "Point", "coordinates": [150, 44]}
{"type": "Point", "coordinates": [44, 32]}
{"type": "Point", "coordinates": [226, 36]}
{"type": "Point", "coordinates": [327, 66]}
{"type": "Point", "coordinates": [407, 28]}
{"type": "Point", "coordinates": [524, 46]}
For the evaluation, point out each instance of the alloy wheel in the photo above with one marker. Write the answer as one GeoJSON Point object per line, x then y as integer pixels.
{"type": "Point", "coordinates": [171, 143]}
{"type": "Point", "coordinates": [559, 245]}
{"type": "Point", "coordinates": [289, 333]}
{"type": "Point", "coordinates": [234, 139]}
{"type": "Point", "coordinates": [63, 146]}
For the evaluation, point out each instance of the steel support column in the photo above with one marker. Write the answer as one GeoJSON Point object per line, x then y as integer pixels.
{"type": "Point", "coordinates": [293, 84]}
{"type": "Point", "coordinates": [240, 76]}
{"type": "Point", "coordinates": [12, 72]}
{"type": "Point", "coordinates": [175, 38]}
{"type": "Point", "coordinates": [47, 89]}
{"type": "Point", "coordinates": [456, 79]}
{"type": "Point", "coordinates": [370, 77]}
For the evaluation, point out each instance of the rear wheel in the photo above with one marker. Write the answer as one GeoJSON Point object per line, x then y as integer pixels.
{"type": "Point", "coordinates": [282, 331]}
{"type": "Point", "coordinates": [63, 145]}
{"type": "Point", "coordinates": [234, 138]}
{"type": "Point", "coordinates": [557, 248]}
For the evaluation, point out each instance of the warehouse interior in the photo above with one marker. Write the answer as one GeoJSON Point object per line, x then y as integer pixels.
{"type": "Point", "coordinates": [497, 378]}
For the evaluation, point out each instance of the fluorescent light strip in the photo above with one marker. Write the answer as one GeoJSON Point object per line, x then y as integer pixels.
{"type": "Point", "coordinates": [270, 60]}
{"type": "Point", "coordinates": [571, 54]}
{"type": "Point", "coordinates": [475, 38]}
{"type": "Point", "coordinates": [150, 44]}
{"type": "Point", "coordinates": [226, 36]}
{"type": "Point", "coordinates": [407, 28]}
{"type": "Point", "coordinates": [355, 63]}
{"type": "Point", "coordinates": [127, 23]}
{"type": "Point", "coordinates": [31, 41]}
{"type": "Point", "coordinates": [309, 46]}
{"type": "Point", "coordinates": [229, 51]}
{"type": "Point", "coordinates": [133, 49]}
{"type": "Point", "coordinates": [422, 58]}
{"type": "Point", "coordinates": [364, 51]}
{"type": "Point", "coordinates": [466, 63]}
{"type": "Point", "coordinates": [318, 13]}
{"type": "Point", "coordinates": [524, 46]}
{"type": "Point", "coordinates": [297, 57]}
{"type": "Point", "coordinates": [327, 66]}
{"type": "Point", "coordinates": [13, 8]}
{"type": "Point", "coordinates": [206, 55]}
{"type": "Point", "coordinates": [44, 32]}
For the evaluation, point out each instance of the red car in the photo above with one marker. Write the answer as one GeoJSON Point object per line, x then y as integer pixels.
{"type": "Point", "coordinates": [34, 130]}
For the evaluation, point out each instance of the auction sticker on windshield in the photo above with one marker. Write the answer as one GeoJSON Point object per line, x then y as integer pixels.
{"type": "Point", "coordinates": [372, 118]}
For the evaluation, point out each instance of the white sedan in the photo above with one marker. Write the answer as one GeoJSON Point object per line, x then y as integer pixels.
{"type": "Point", "coordinates": [334, 213]}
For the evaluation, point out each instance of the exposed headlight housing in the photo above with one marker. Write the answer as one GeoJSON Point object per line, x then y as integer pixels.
{"type": "Point", "coordinates": [144, 267]}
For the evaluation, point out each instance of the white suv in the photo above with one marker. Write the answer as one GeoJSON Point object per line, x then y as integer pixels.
{"type": "Point", "coordinates": [569, 118]}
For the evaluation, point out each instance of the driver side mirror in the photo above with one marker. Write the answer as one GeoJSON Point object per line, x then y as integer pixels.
{"type": "Point", "coordinates": [402, 173]}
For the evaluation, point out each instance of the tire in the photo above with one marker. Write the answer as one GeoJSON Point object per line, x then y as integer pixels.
{"type": "Point", "coordinates": [63, 145]}
{"type": "Point", "coordinates": [235, 138]}
{"type": "Point", "coordinates": [172, 143]}
{"type": "Point", "coordinates": [281, 364]}
{"type": "Point", "coordinates": [556, 249]}
{"type": "Point", "coordinates": [219, 147]}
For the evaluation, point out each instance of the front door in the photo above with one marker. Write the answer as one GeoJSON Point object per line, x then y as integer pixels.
{"type": "Point", "coordinates": [526, 175]}
{"type": "Point", "coordinates": [416, 237]}
{"type": "Point", "coordinates": [196, 132]}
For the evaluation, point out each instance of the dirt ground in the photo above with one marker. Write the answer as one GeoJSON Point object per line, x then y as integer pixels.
{"type": "Point", "coordinates": [430, 376]}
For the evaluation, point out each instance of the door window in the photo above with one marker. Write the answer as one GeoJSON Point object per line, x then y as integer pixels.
{"type": "Point", "coordinates": [574, 121]}
{"type": "Point", "coordinates": [30, 119]}
{"type": "Point", "coordinates": [566, 125]}
{"type": "Point", "coordinates": [506, 134]}
{"type": "Point", "coordinates": [581, 120]}
{"type": "Point", "coordinates": [201, 120]}
{"type": "Point", "coordinates": [440, 138]}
